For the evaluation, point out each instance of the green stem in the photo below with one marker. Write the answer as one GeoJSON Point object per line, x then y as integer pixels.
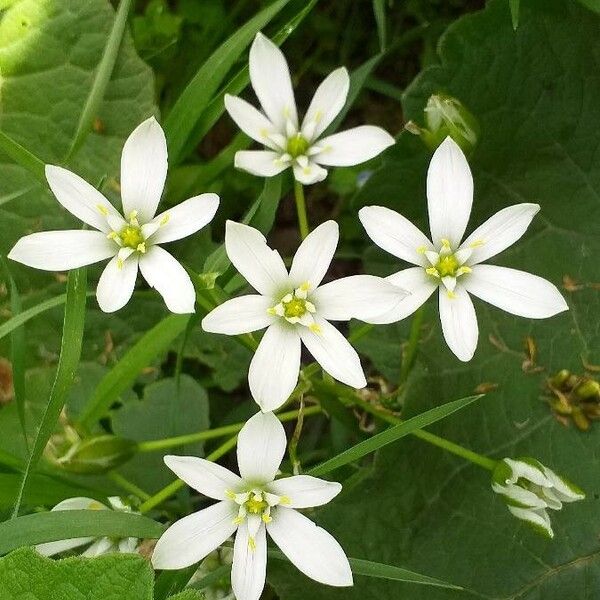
{"type": "Point", "coordinates": [360, 332]}
{"type": "Point", "coordinates": [128, 485]}
{"type": "Point", "coordinates": [410, 353]}
{"type": "Point", "coordinates": [293, 445]}
{"type": "Point", "coordinates": [193, 438]}
{"type": "Point", "coordinates": [301, 209]}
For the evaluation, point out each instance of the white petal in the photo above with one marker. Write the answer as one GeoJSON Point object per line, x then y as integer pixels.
{"type": "Point", "coordinates": [261, 266]}
{"type": "Point", "coordinates": [531, 472]}
{"type": "Point", "coordinates": [54, 548]}
{"type": "Point", "coordinates": [127, 545]}
{"type": "Point", "coordinates": [361, 297]}
{"type": "Point", "coordinates": [249, 569]}
{"type": "Point", "coordinates": [169, 278]}
{"type": "Point", "coordinates": [459, 322]}
{"type": "Point", "coordinates": [395, 234]}
{"type": "Point", "coordinates": [239, 315]}
{"type": "Point", "coordinates": [185, 218]}
{"type": "Point", "coordinates": [250, 120]}
{"type": "Point", "coordinates": [144, 169]}
{"type": "Point", "coordinates": [514, 291]}
{"type": "Point", "coordinates": [328, 101]}
{"type": "Point", "coordinates": [62, 250]}
{"type": "Point", "coordinates": [449, 193]}
{"type": "Point", "coordinates": [310, 548]}
{"type": "Point", "coordinates": [116, 284]}
{"type": "Point", "coordinates": [275, 366]}
{"type": "Point", "coordinates": [260, 448]}
{"type": "Point", "coordinates": [206, 477]}
{"type": "Point", "coordinates": [353, 146]}
{"type": "Point", "coordinates": [305, 491]}
{"type": "Point", "coordinates": [420, 287]}
{"type": "Point", "coordinates": [102, 546]}
{"type": "Point", "coordinates": [537, 518]}
{"type": "Point", "coordinates": [516, 493]}
{"type": "Point", "coordinates": [334, 353]}
{"type": "Point", "coordinates": [500, 231]}
{"type": "Point", "coordinates": [80, 198]}
{"type": "Point", "coordinates": [263, 163]}
{"type": "Point", "coordinates": [80, 503]}
{"type": "Point", "coordinates": [309, 173]}
{"type": "Point", "coordinates": [270, 78]}
{"type": "Point", "coordinates": [192, 538]}
{"type": "Point", "coordinates": [314, 255]}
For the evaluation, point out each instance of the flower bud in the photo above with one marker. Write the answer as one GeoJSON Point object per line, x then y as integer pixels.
{"type": "Point", "coordinates": [529, 489]}
{"type": "Point", "coordinates": [588, 389]}
{"type": "Point", "coordinates": [560, 378]}
{"type": "Point", "coordinates": [446, 116]}
{"type": "Point", "coordinates": [97, 455]}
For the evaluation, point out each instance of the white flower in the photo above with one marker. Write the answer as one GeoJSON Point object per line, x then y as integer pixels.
{"type": "Point", "coordinates": [252, 506]}
{"type": "Point", "coordinates": [95, 546]}
{"type": "Point", "coordinates": [529, 489]}
{"type": "Point", "coordinates": [277, 127]}
{"type": "Point", "coordinates": [295, 307]}
{"type": "Point", "coordinates": [131, 241]}
{"type": "Point", "coordinates": [453, 267]}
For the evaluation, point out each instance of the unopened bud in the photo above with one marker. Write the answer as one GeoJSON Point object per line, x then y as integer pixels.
{"type": "Point", "coordinates": [560, 378]}
{"type": "Point", "coordinates": [588, 389]}
{"type": "Point", "coordinates": [97, 455]}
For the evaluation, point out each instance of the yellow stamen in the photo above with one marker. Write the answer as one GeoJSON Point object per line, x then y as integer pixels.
{"type": "Point", "coordinates": [451, 295]}
{"type": "Point", "coordinates": [102, 209]}
{"type": "Point", "coordinates": [315, 328]}
{"type": "Point", "coordinates": [165, 219]}
{"type": "Point", "coordinates": [476, 243]}
{"type": "Point", "coordinates": [266, 518]}
{"type": "Point", "coordinates": [422, 249]}
{"type": "Point", "coordinates": [432, 271]}
{"type": "Point", "coordinates": [229, 494]}
{"type": "Point", "coordinates": [119, 263]}
{"type": "Point", "coordinates": [238, 520]}
{"type": "Point", "coordinates": [285, 500]}
{"type": "Point", "coordinates": [252, 544]}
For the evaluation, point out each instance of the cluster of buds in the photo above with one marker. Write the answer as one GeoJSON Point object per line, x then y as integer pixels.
{"type": "Point", "coordinates": [529, 489]}
{"type": "Point", "coordinates": [576, 398]}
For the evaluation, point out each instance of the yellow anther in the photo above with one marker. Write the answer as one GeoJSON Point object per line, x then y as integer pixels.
{"type": "Point", "coordinates": [305, 286]}
{"type": "Point", "coordinates": [445, 243]}
{"type": "Point", "coordinates": [306, 170]}
{"type": "Point", "coordinates": [95, 506]}
{"type": "Point", "coordinates": [271, 311]}
{"type": "Point", "coordinates": [432, 271]}
{"type": "Point", "coordinates": [102, 209]}
{"type": "Point", "coordinates": [463, 271]}
{"type": "Point", "coordinates": [141, 247]}
{"type": "Point", "coordinates": [450, 294]}
{"type": "Point", "coordinates": [284, 500]}
{"type": "Point", "coordinates": [422, 249]}
{"type": "Point", "coordinates": [264, 133]}
{"type": "Point", "coordinates": [476, 243]}
{"type": "Point", "coordinates": [238, 520]}
{"type": "Point", "coordinates": [113, 235]}
{"type": "Point", "coordinates": [165, 219]}
{"type": "Point", "coordinates": [119, 263]}
{"type": "Point", "coordinates": [266, 518]}
{"type": "Point", "coordinates": [133, 214]}
{"type": "Point", "coordinates": [251, 544]}
{"type": "Point", "coordinates": [318, 116]}
{"type": "Point", "coordinates": [315, 328]}
{"type": "Point", "coordinates": [229, 494]}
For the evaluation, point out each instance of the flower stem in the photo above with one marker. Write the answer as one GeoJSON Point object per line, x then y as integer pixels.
{"type": "Point", "coordinates": [293, 445]}
{"type": "Point", "coordinates": [410, 353]}
{"type": "Point", "coordinates": [128, 485]}
{"type": "Point", "coordinates": [301, 209]}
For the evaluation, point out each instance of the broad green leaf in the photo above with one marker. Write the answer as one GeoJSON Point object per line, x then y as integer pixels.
{"type": "Point", "coordinates": [391, 435]}
{"type": "Point", "coordinates": [536, 100]}
{"type": "Point", "coordinates": [68, 361]}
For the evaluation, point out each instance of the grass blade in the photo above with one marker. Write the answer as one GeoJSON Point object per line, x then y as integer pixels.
{"type": "Point", "coordinates": [125, 372]}
{"type": "Point", "coordinates": [68, 361]}
{"type": "Point", "coordinates": [184, 115]}
{"type": "Point", "coordinates": [39, 528]}
{"type": "Point", "coordinates": [391, 435]}
{"type": "Point", "coordinates": [380, 18]}
{"type": "Point", "coordinates": [102, 77]}
{"type": "Point", "coordinates": [23, 157]}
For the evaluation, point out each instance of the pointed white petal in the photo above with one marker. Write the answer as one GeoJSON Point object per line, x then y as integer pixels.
{"type": "Point", "coordinates": [449, 193]}
{"type": "Point", "coordinates": [395, 234]}
{"type": "Point", "coordinates": [538, 518]}
{"type": "Point", "coordinates": [192, 538]}
{"type": "Point", "coordinates": [260, 448]}
{"type": "Point", "coordinates": [54, 548]}
{"type": "Point", "coordinates": [144, 169]}
{"type": "Point", "coordinates": [305, 491]}
{"type": "Point", "coordinates": [249, 569]}
{"type": "Point", "coordinates": [102, 546]}
{"type": "Point", "coordinates": [500, 231]}
{"type": "Point", "coordinates": [514, 291]}
{"type": "Point", "coordinates": [565, 490]}
{"type": "Point", "coordinates": [334, 353]}
{"type": "Point", "coordinates": [261, 266]}
{"type": "Point", "coordinates": [62, 250]}
{"type": "Point", "coordinates": [206, 477]}
{"type": "Point", "coordinates": [353, 146]}
{"type": "Point", "coordinates": [532, 472]}
{"type": "Point", "coordinates": [525, 498]}
{"type": "Point", "coordinates": [80, 198]}
{"type": "Point", "coordinates": [169, 278]}
{"type": "Point", "coordinates": [270, 78]}
{"type": "Point", "coordinates": [314, 255]}
{"type": "Point", "coordinates": [240, 315]}
{"type": "Point", "coordinates": [80, 503]}
{"type": "Point", "coordinates": [263, 163]}
{"type": "Point", "coordinates": [309, 173]}
{"type": "Point", "coordinates": [185, 218]}
{"type": "Point", "coordinates": [116, 284]}
{"type": "Point", "coordinates": [328, 101]}
{"type": "Point", "coordinates": [361, 297]}
{"type": "Point", "coordinates": [250, 120]}
{"type": "Point", "coordinates": [127, 545]}
{"type": "Point", "coordinates": [310, 548]}
{"type": "Point", "coordinates": [459, 322]}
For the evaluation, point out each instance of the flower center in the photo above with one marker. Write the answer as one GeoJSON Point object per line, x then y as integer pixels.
{"type": "Point", "coordinates": [447, 266]}
{"type": "Point", "coordinates": [296, 308]}
{"type": "Point", "coordinates": [256, 504]}
{"type": "Point", "coordinates": [131, 236]}
{"type": "Point", "coordinates": [297, 145]}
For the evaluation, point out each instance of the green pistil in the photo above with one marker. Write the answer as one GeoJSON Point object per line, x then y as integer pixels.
{"type": "Point", "coordinates": [131, 236]}
{"type": "Point", "coordinates": [296, 307]}
{"type": "Point", "coordinates": [256, 507]}
{"type": "Point", "coordinates": [297, 146]}
{"type": "Point", "coordinates": [447, 266]}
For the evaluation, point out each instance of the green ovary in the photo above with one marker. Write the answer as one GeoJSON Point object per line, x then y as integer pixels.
{"type": "Point", "coordinates": [297, 146]}
{"type": "Point", "coordinates": [131, 236]}
{"type": "Point", "coordinates": [447, 266]}
{"type": "Point", "coordinates": [256, 507]}
{"type": "Point", "coordinates": [296, 307]}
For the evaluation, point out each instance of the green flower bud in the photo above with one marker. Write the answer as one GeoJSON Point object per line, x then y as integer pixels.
{"type": "Point", "coordinates": [97, 455]}
{"type": "Point", "coordinates": [588, 389]}
{"type": "Point", "coordinates": [560, 378]}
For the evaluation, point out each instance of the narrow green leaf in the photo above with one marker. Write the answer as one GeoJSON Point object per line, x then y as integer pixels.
{"type": "Point", "coordinates": [380, 19]}
{"type": "Point", "coordinates": [26, 315]}
{"type": "Point", "coordinates": [102, 77]}
{"type": "Point", "coordinates": [124, 373]}
{"type": "Point", "coordinates": [23, 157]}
{"type": "Point", "coordinates": [514, 12]}
{"type": "Point", "coordinates": [70, 352]}
{"type": "Point", "coordinates": [391, 435]}
{"type": "Point", "coordinates": [182, 119]}
{"type": "Point", "coordinates": [39, 528]}
{"type": "Point", "coordinates": [212, 578]}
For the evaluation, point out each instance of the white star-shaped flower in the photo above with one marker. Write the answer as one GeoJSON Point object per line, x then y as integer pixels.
{"type": "Point", "coordinates": [131, 241]}
{"type": "Point", "coordinates": [95, 546]}
{"type": "Point", "coordinates": [288, 143]}
{"type": "Point", "coordinates": [455, 268]}
{"type": "Point", "coordinates": [252, 506]}
{"type": "Point", "coordinates": [295, 307]}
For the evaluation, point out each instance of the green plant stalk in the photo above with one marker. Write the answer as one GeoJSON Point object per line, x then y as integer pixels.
{"type": "Point", "coordinates": [293, 445]}
{"type": "Point", "coordinates": [301, 209]}
{"type": "Point", "coordinates": [193, 438]}
{"type": "Point", "coordinates": [128, 486]}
